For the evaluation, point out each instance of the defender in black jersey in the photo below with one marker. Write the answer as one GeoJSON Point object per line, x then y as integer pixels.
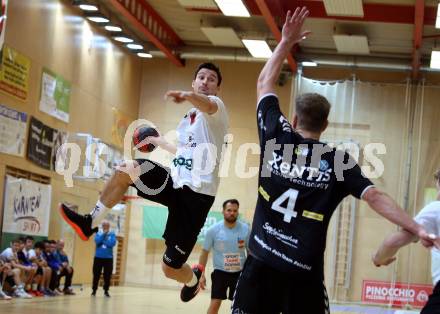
{"type": "Point", "coordinates": [301, 182]}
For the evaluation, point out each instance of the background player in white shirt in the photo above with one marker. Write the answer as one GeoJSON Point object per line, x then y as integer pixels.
{"type": "Point", "coordinates": [186, 189]}
{"type": "Point", "coordinates": [429, 218]}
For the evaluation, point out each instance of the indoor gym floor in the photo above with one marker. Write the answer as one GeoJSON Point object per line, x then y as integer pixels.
{"type": "Point", "coordinates": [135, 300]}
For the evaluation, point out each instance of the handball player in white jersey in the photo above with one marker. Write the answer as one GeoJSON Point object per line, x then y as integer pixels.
{"type": "Point", "coordinates": [188, 189]}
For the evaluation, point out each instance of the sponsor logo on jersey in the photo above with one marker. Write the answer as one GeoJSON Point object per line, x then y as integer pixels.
{"type": "Point", "coordinates": [285, 125]}
{"type": "Point", "coordinates": [260, 120]}
{"type": "Point", "coordinates": [312, 215]}
{"type": "Point", "coordinates": [323, 165]}
{"type": "Point", "coordinates": [280, 236]}
{"type": "Point", "coordinates": [264, 193]}
{"type": "Point", "coordinates": [292, 170]}
{"type": "Point", "coordinates": [180, 161]}
{"type": "Point", "coordinates": [301, 151]}
{"type": "Point", "coordinates": [190, 141]}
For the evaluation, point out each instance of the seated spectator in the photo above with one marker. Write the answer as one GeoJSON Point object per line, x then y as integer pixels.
{"type": "Point", "coordinates": [33, 276]}
{"type": "Point", "coordinates": [67, 270]}
{"type": "Point", "coordinates": [52, 262]}
{"type": "Point", "coordinates": [5, 269]}
{"type": "Point", "coordinates": [43, 268]}
{"type": "Point", "coordinates": [28, 247]}
{"type": "Point", "coordinates": [9, 256]}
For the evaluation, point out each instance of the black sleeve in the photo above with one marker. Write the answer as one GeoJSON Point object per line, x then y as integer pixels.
{"type": "Point", "coordinates": [353, 181]}
{"type": "Point", "coordinates": [270, 119]}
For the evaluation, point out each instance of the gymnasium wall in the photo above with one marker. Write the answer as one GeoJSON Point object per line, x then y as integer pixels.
{"type": "Point", "coordinates": [102, 75]}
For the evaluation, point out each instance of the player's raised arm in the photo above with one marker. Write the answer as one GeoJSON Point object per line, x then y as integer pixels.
{"type": "Point", "coordinates": [291, 35]}
{"type": "Point", "coordinates": [200, 101]}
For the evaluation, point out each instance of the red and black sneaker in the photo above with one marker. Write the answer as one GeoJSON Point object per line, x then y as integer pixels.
{"type": "Point", "coordinates": [82, 224]}
{"type": "Point", "coordinates": [188, 293]}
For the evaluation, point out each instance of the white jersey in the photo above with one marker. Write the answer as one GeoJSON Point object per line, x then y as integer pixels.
{"type": "Point", "coordinates": [200, 137]}
{"type": "Point", "coordinates": [8, 255]}
{"type": "Point", "coordinates": [429, 218]}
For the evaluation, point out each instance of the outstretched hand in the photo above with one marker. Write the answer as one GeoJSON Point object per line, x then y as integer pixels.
{"type": "Point", "coordinates": [292, 26]}
{"type": "Point", "coordinates": [177, 96]}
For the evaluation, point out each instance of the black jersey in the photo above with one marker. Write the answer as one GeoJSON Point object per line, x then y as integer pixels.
{"type": "Point", "coordinates": [301, 182]}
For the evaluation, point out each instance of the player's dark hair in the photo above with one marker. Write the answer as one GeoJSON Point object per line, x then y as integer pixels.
{"type": "Point", "coordinates": [13, 241]}
{"type": "Point", "coordinates": [39, 245]}
{"type": "Point", "coordinates": [312, 110]}
{"type": "Point", "coordinates": [212, 67]}
{"type": "Point", "coordinates": [232, 201]}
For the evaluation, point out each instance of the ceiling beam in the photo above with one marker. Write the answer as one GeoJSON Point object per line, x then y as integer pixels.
{"type": "Point", "coordinates": [147, 21]}
{"type": "Point", "coordinates": [419, 13]}
{"type": "Point", "coordinates": [373, 12]}
{"type": "Point", "coordinates": [273, 26]}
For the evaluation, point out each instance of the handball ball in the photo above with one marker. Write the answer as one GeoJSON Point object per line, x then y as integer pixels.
{"type": "Point", "coordinates": [140, 134]}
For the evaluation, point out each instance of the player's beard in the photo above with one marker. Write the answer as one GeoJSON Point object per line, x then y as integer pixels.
{"type": "Point", "coordinates": [231, 220]}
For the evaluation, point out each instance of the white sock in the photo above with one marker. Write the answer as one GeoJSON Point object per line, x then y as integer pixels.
{"type": "Point", "coordinates": [98, 212]}
{"type": "Point", "coordinates": [193, 281]}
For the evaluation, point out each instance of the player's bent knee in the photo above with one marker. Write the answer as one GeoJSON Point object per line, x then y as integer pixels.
{"type": "Point", "coordinates": [128, 172]}
{"type": "Point", "coordinates": [170, 265]}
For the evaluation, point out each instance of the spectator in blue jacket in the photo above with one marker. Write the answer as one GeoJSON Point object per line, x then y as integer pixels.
{"type": "Point", "coordinates": [66, 270]}
{"type": "Point", "coordinates": [53, 263]}
{"type": "Point", "coordinates": [105, 241]}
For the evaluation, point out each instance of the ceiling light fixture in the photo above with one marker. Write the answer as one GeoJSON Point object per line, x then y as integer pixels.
{"type": "Point", "coordinates": [135, 46]}
{"type": "Point", "coordinates": [257, 48]}
{"type": "Point", "coordinates": [309, 64]}
{"type": "Point", "coordinates": [435, 59]}
{"type": "Point", "coordinates": [112, 28]}
{"type": "Point", "coordinates": [88, 7]}
{"type": "Point", "coordinates": [123, 39]}
{"type": "Point", "coordinates": [144, 55]}
{"type": "Point", "coordinates": [233, 8]}
{"type": "Point", "coordinates": [98, 19]}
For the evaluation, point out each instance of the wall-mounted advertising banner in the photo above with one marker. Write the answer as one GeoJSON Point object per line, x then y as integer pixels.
{"type": "Point", "coordinates": [55, 95]}
{"type": "Point", "coordinates": [40, 143]}
{"type": "Point", "coordinates": [12, 131]}
{"type": "Point", "coordinates": [14, 73]}
{"type": "Point", "coordinates": [397, 294]}
{"type": "Point", "coordinates": [59, 138]}
{"type": "Point", "coordinates": [26, 207]}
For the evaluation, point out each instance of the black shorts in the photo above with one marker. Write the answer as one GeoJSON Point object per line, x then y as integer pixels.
{"type": "Point", "coordinates": [433, 304]}
{"type": "Point", "coordinates": [265, 290]}
{"type": "Point", "coordinates": [39, 271]}
{"type": "Point", "coordinates": [221, 282]}
{"type": "Point", "coordinates": [187, 211]}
